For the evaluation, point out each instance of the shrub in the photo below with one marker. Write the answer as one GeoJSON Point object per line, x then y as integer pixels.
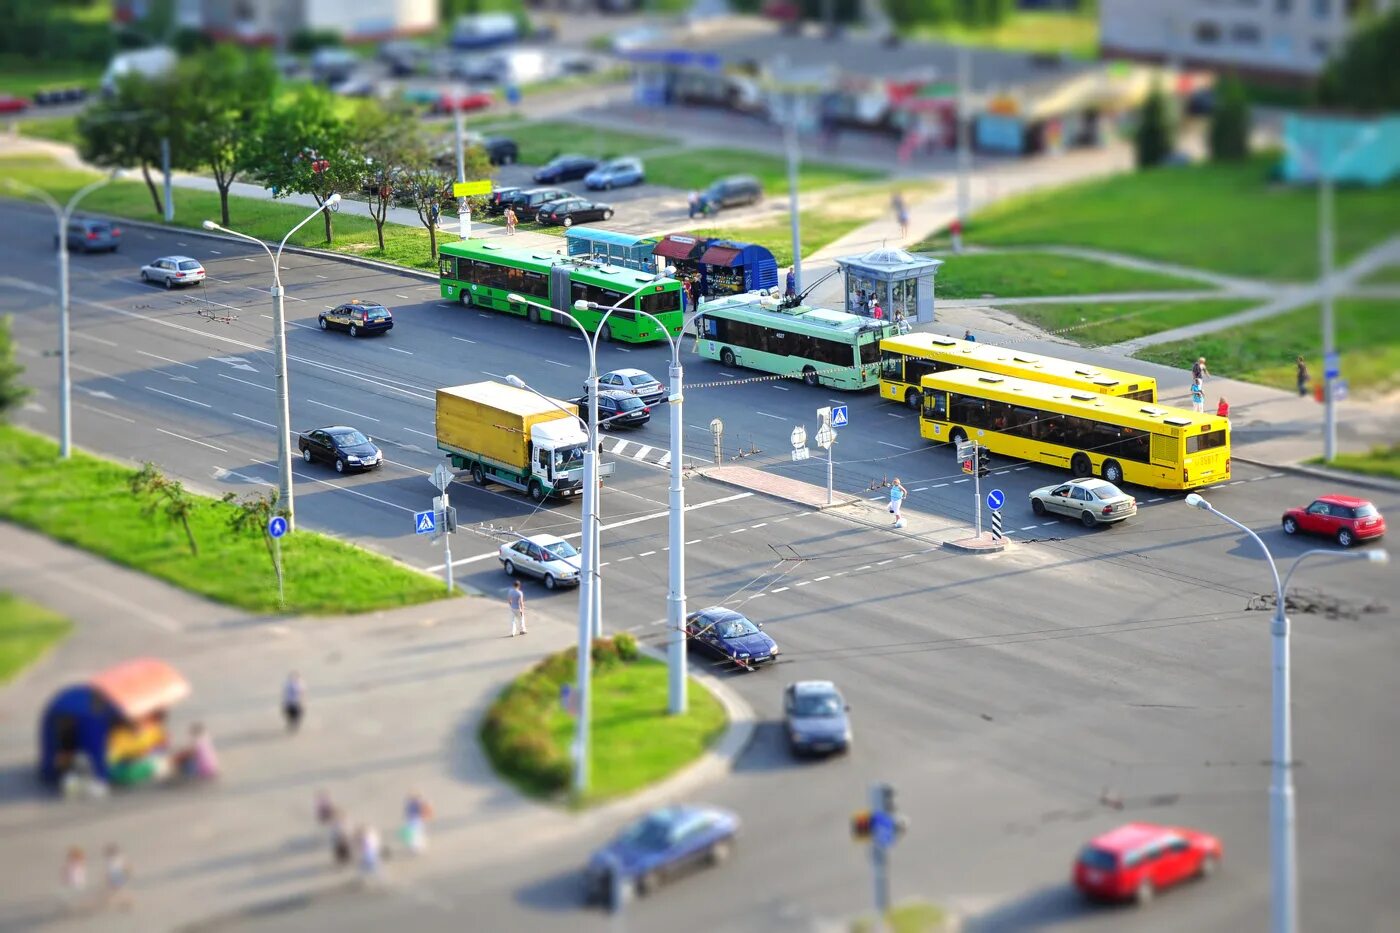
{"type": "Point", "coordinates": [626, 647]}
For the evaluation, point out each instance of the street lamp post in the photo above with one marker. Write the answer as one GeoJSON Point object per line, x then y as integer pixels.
{"type": "Point", "coordinates": [279, 344]}
{"type": "Point", "coordinates": [65, 379]}
{"type": "Point", "coordinates": [1283, 845]}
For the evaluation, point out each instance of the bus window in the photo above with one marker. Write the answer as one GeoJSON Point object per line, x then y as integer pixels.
{"type": "Point", "coordinates": [970, 411]}
{"type": "Point", "coordinates": [935, 405]}
{"type": "Point", "coordinates": [892, 366]}
{"type": "Point", "coordinates": [447, 265]}
{"type": "Point", "coordinates": [870, 351]}
{"type": "Point", "coordinates": [1207, 441]}
{"type": "Point", "coordinates": [660, 302]}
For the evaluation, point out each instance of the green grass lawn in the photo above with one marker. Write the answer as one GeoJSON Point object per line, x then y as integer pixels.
{"type": "Point", "coordinates": [908, 917]}
{"type": "Point", "coordinates": [696, 168]}
{"type": "Point", "coordinates": [540, 142]}
{"type": "Point", "coordinates": [86, 501]}
{"type": "Point", "coordinates": [1386, 275]}
{"type": "Point", "coordinates": [1095, 325]}
{"type": "Point", "coordinates": [635, 742]}
{"type": "Point", "coordinates": [1017, 274]}
{"type": "Point", "coordinates": [818, 228]}
{"type": "Point", "coordinates": [1380, 461]}
{"type": "Point", "coordinates": [1073, 33]}
{"type": "Point", "coordinates": [27, 631]}
{"type": "Point", "coordinates": [1228, 219]}
{"type": "Point", "coordinates": [55, 129]}
{"type": "Point", "coordinates": [23, 77]}
{"type": "Point", "coordinates": [1368, 336]}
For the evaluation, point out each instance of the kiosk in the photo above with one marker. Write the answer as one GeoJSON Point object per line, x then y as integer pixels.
{"type": "Point", "coordinates": [612, 248]}
{"type": "Point", "coordinates": [901, 281]}
{"type": "Point", "coordinates": [723, 267]}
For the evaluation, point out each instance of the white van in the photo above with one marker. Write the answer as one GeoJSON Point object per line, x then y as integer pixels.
{"type": "Point", "coordinates": [151, 62]}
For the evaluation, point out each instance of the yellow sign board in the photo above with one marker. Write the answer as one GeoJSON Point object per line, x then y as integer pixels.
{"type": "Point", "coordinates": [467, 189]}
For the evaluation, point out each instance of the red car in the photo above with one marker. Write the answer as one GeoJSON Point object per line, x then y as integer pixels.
{"type": "Point", "coordinates": [465, 101]}
{"type": "Point", "coordinates": [1345, 518]}
{"type": "Point", "coordinates": [12, 104]}
{"type": "Point", "coordinates": [1135, 861]}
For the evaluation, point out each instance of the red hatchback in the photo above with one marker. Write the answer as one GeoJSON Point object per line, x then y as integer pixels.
{"type": "Point", "coordinates": [1135, 861]}
{"type": "Point", "coordinates": [1345, 518]}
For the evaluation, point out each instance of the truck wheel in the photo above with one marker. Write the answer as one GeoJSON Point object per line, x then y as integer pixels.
{"type": "Point", "coordinates": [536, 490]}
{"type": "Point", "coordinates": [478, 476]}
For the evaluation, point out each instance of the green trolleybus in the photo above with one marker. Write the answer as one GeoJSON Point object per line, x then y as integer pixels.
{"type": "Point", "coordinates": [821, 347]}
{"type": "Point", "coordinates": [483, 275]}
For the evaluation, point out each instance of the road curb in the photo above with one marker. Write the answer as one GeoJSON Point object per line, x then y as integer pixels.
{"type": "Point", "coordinates": [1340, 476]}
{"type": "Point", "coordinates": [982, 545]}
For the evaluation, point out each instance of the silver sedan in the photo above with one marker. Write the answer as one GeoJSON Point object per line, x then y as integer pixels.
{"type": "Point", "coordinates": [548, 557]}
{"type": "Point", "coordinates": [1092, 501]}
{"type": "Point", "coordinates": [173, 270]}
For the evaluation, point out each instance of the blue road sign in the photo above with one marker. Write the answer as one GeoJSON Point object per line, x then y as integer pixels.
{"type": "Point", "coordinates": [424, 523]}
{"type": "Point", "coordinates": [277, 526]}
{"type": "Point", "coordinates": [1332, 366]}
{"type": "Point", "coordinates": [882, 829]}
{"type": "Point", "coordinates": [995, 499]}
{"type": "Point", "coordinates": [840, 417]}
{"type": "Point", "coordinates": [1340, 390]}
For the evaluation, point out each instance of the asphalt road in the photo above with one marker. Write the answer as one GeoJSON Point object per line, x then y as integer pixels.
{"type": "Point", "coordinates": [1004, 697]}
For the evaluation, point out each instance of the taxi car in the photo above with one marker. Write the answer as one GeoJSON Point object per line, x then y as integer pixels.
{"type": "Point", "coordinates": [358, 318]}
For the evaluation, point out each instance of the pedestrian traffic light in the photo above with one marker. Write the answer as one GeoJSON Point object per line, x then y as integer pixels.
{"type": "Point", "coordinates": [967, 467]}
{"type": "Point", "coordinates": [860, 824]}
{"type": "Point", "coordinates": [984, 461]}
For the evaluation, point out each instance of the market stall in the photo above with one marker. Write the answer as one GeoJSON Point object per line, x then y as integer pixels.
{"type": "Point", "coordinates": [612, 248]}
{"type": "Point", "coordinates": [722, 267]}
{"type": "Point", "coordinates": [112, 727]}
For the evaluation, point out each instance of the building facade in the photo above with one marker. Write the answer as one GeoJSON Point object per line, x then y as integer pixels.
{"type": "Point", "coordinates": [1285, 39]}
{"type": "Point", "coordinates": [273, 22]}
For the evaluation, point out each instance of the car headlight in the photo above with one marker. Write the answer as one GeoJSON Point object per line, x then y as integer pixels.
{"type": "Point", "coordinates": [352, 458]}
{"type": "Point", "coordinates": [801, 737]}
{"type": "Point", "coordinates": [742, 654]}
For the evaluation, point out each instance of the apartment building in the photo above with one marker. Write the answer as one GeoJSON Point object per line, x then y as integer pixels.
{"type": "Point", "coordinates": [1289, 40]}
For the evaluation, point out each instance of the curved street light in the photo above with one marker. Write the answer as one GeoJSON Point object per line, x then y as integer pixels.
{"type": "Point", "coordinates": [1283, 845]}
{"type": "Point", "coordinates": [279, 344]}
{"type": "Point", "coordinates": [62, 215]}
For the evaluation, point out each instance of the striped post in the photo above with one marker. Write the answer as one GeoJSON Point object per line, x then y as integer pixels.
{"type": "Point", "coordinates": [996, 524]}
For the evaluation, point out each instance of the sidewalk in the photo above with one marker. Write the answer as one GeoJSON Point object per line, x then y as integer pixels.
{"type": "Point", "coordinates": [394, 703]}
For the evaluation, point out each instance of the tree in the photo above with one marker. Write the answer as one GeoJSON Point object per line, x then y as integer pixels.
{"type": "Point", "coordinates": [125, 129]}
{"type": "Point", "coordinates": [165, 495]}
{"type": "Point", "coordinates": [251, 515]}
{"type": "Point", "coordinates": [304, 147]}
{"type": "Point", "coordinates": [220, 95]}
{"type": "Point", "coordinates": [1364, 76]}
{"type": "Point", "coordinates": [1154, 132]}
{"type": "Point", "coordinates": [393, 145]}
{"type": "Point", "coordinates": [12, 393]}
{"type": "Point", "coordinates": [1229, 122]}
{"type": "Point", "coordinates": [429, 190]}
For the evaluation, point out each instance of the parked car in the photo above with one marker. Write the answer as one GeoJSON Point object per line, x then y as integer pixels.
{"type": "Point", "coordinates": [345, 447]}
{"type": "Point", "coordinates": [1091, 500]}
{"type": "Point", "coordinates": [616, 409]}
{"type": "Point", "coordinates": [528, 202]}
{"type": "Point", "coordinates": [358, 318]}
{"type": "Point", "coordinates": [734, 191]}
{"type": "Point", "coordinates": [1345, 519]}
{"type": "Point", "coordinates": [815, 718]}
{"type": "Point", "coordinates": [501, 150]}
{"type": "Point", "coordinates": [619, 173]}
{"type": "Point", "coordinates": [730, 635]}
{"type": "Point", "coordinates": [466, 101]}
{"type": "Point", "coordinates": [570, 211]}
{"type": "Point", "coordinates": [565, 168]}
{"type": "Point", "coordinates": [659, 847]}
{"type": "Point", "coordinates": [9, 103]}
{"type": "Point", "coordinates": [1135, 861]}
{"type": "Point", "coordinates": [639, 382]}
{"type": "Point", "coordinates": [497, 200]}
{"type": "Point", "coordinates": [546, 557]}
{"type": "Point", "coordinates": [90, 236]}
{"type": "Point", "coordinates": [173, 270]}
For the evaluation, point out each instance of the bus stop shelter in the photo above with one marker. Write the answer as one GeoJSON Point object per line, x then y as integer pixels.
{"type": "Point", "coordinates": [901, 281]}
{"type": "Point", "coordinates": [612, 248]}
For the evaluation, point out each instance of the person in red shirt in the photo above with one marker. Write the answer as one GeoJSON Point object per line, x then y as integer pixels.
{"type": "Point", "coordinates": [1223, 409]}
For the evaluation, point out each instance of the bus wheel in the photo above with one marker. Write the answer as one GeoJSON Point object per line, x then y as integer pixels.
{"type": "Point", "coordinates": [466, 298]}
{"type": "Point", "coordinates": [957, 436]}
{"type": "Point", "coordinates": [726, 356]}
{"type": "Point", "coordinates": [605, 333]}
{"type": "Point", "coordinates": [1080, 465]}
{"type": "Point", "coordinates": [533, 314]}
{"type": "Point", "coordinates": [809, 375]}
{"type": "Point", "coordinates": [1112, 471]}
{"type": "Point", "coordinates": [912, 399]}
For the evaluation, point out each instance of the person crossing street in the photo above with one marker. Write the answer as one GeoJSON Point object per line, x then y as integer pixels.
{"type": "Point", "coordinates": [516, 598]}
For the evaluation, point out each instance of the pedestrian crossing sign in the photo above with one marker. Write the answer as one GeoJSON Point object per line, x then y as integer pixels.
{"type": "Point", "coordinates": [839, 416]}
{"type": "Point", "coordinates": [424, 523]}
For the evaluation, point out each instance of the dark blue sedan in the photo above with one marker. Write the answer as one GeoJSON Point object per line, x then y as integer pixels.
{"type": "Point", "coordinates": [663, 844]}
{"type": "Point", "coordinates": [730, 635]}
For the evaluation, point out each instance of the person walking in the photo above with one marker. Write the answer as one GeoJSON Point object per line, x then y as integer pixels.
{"type": "Point", "coordinates": [693, 203]}
{"type": "Point", "coordinates": [901, 323]}
{"type": "Point", "coordinates": [1199, 372]}
{"type": "Point", "coordinates": [416, 813]}
{"type": "Point", "coordinates": [342, 839]}
{"type": "Point", "coordinates": [516, 598]}
{"type": "Point", "coordinates": [901, 213]}
{"type": "Point", "coordinates": [877, 312]}
{"type": "Point", "coordinates": [897, 494]}
{"type": "Point", "coordinates": [511, 220]}
{"type": "Point", "coordinates": [74, 877]}
{"type": "Point", "coordinates": [967, 335]}
{"type": "Point", "coordinates": [118, 876]}
{"type": "Point", "coordinates": [293, 698]}
{"type": "Point", "coordinates": [1198, 396]}
{"type": "Point", "coordinates": [371, 854]}
{"type": "Point", "coordinates": [1222, 409]}
{"type": "Point", "coordinates": [1303, 377]}
{"type": "Point", "coordinates": [791, 287]}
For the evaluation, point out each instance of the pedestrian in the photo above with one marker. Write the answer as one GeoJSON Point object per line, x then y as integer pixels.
{"type": "Point", "coordinates": [955, 233]}
{"type": "Point", "coordinates": [877, 312]}
{"type": "Point", "coordinates": [516, 598]}
{"type": "Point", "coordinates": [1198, 396]}
{"type": "Point", "coordinates": [325, 808]}
{"type": "Point", "coordinates": [371, 853]}
{"type": "Point", "coordinates": [1222, 410]}
{"type": "Point", "coordinates": [791, 288]}
{"type": "Point", "coordinates": [693, 203]}
{"type": "Point", "coordinates": [1303, 377]}
{"type": "Point", "coordinates": [897, 494]}
{"type": "Point", "coordinates": [342, 839]}
{"type": "Point", "coordinates": [74, 877]}
{"type": "Point", "coordinates": [118, 875]}
{"type": "Point", "coordinates": [293, 698]}
{"type": "Point", "coordinates": [901, 323]}
{"type": "Point", "coordinates": [511, 220]}
{"type": "Point", "coordinates": [416, 813]}
{"type": "Point", "coordinates": [901, 213]}
{"type": "Point", "coordinates": [1199, 371]}
{"type": "Point", "coordinates": [967, 335]}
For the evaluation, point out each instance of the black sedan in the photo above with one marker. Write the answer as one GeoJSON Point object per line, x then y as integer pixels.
{"type": "Point", "coordinates": [347, 448]}
{"type": "Point", "coordinates": [731, 636]}
{"type": "Point", "coordinates": [565, 168]}
{"type": "Point", "coordinates": [616, 409]}
{"type": "Point", "coordinates": [571, 210]}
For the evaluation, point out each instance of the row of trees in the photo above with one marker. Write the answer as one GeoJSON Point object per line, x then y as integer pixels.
{"type": "Point", "coordinates": [226, 112]}
{"type": "Point", "coordinates": [1228, 136]}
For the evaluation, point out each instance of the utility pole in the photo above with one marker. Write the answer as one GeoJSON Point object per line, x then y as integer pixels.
{"type": "Point", "coordinates": [793, 155]}
{"type": "Point", "coordinates": [1330, 363]}
{"type": "Point", "coordinates": [464, 218]}
{"type": "Point", "coordinates": [169, 185]}
{"type": "Point", "coordinates": [964, 134]}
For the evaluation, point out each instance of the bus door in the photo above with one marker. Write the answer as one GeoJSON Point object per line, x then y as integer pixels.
{"type": "Point", "coordinates": [561, 291]}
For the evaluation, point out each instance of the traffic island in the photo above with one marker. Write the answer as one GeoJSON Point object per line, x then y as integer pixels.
{"type": "Point", "coordinates": [977, 544]}
{"type": "Point", "coordinates": [528, 732]}
{"type": "Point", "coordinates": [913, 916]}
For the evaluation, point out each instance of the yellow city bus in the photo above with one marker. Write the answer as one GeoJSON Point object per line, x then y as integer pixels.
{"type": "Point", "coordinates": [907, 359]}
{"type": "Point", "coordinates": [1122, 440]}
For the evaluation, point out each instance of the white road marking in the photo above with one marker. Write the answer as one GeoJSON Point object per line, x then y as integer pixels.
{"type": "Point", "coordinates": [1019, 469]}
{"type": "Point", "coordinates": [919, 489]}
{"type": "Point", "coordinates": [646, 553]}
{"type": "Point", "coordinates": [405, 352]}
{"type": "Point", "coordinates": [621, 446]}
{"type": "Point", "coordinates": [666, 459]}
{"type": "Point", "coordinates": [421, 433]}
{"type": "Point", "coordinates": [181, 243]}
{"type": "Point", "coordinates": [557, 363]}
{"type": "Point", "coordinates": [157, 356]}
{"type": "Point", "coordinates": [766, 415]}
{"type": "Point", "coordinates": [246, 259]}
{"type": "Point", "coordinates": [150, 236]}
{"type": "Point", "coordinates": [624, 350]}
{"type": "Point", "coordinates": [1001, 472]}
{"type": "Point", "coordinates": [781, 589]}
{"type": "Point", "coordinates": [781, 389]}
{"type": "Point", "coordinates": [464, 339]}
{"type": "Point", "coordinates": [696, 541]}
{"type": "Point", "coordinates": [190, 439]}
{"type": "Point", "coordinates": [758, 526]}
{"type": "Point", "coordinates": [859, 569]}
{"type": "Point", "coordinates": [319, 276]}
{"type": "Point", "coordinates": [180, 397]}
{"type": "Point", "coordinates": [216, 252]}
{"type": "Point", "coordinates": [576, 337]}
{"type": "Point", "coordinates": [894, 414]}
{"type": "Point", "coordinates": [1158, 499]}
{"type": "Point", "coordinates": [895, 446]}
{"type": "Point", "coordinates": [643, 453]}
{"type": "Point", "coordinates": [493, 375]}
{"type": "Point", "coordinates": [727, 375]}
{"type": "Point", "coordinates": [254, 420]}
{"type": "Point", "coordinates": [957, 481]}
{"type": "Point", "coordinates": [1273, 476]}
{"type": "Point", "coordinates": [802, 582]}
{"type": "Point", "coordinates": [938, 485]}
{"type": "Point", "coordinates": [82, 336]}
{"type": "Point", "coordinates": [820, 579]}
{"type": "Point", "coordinates": [1028, 527]}
{"type": "Point", "coordinates": [404, 297]}
{"type": "Point", "coordinates": [303, 326]}
{"type": "Point", "coordinates": [881, 563]}
{"type": "Point", "coordinates": [95, 372]}
{"type": "Point", "coordinates": [1048, 524]}
{"type": "Point", "coordinates": [247, 383]}
{"type": "Point", "coordinates": [105, 413]}
{"type": "Point", "coordinates": [621, 559]}
{"type": "Point", "coordinates": [356, 414]}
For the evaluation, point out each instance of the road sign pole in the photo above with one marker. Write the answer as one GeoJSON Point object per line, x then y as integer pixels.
{"type": "Point", "coordinates": [277, 562]}
{"type": "Point", "coordinates": [829, 497]}
{"type": "Point", "coordinates": [447, 542]}
{"type": "Point", "coordinates": [879, 863]}
{"type": "Point", "coordinates": [977, 486]}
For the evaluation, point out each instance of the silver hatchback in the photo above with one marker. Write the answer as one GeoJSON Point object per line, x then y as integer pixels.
{"type": "Point", "coordinates": [1092, 501]}
{"type": "Point", "coordinates": [173, 270]}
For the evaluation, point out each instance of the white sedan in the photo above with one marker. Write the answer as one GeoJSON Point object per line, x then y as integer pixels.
{"type": "Point", "coordinates": [550, 558]}
{"type": "Point", "coordinates": [1092, 501]}
{"type": "Point", "coordinates": [173, 270]}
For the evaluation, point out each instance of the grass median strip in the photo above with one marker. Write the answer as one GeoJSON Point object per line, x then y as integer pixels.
{"type": "Point", "coordinates": [27, 632]}
{"type": "Point", "coordinates": [1018, 274]}
{"type": "Point", "coordinates": [88, 502]}
{"type": "Point", "coordinates": [527, 733]}
{"type": "Point", "coordinates": [1096, 324]}
{"type": "Point", "coordinates": [1379, 461]}
{"type": "Point", "coordinates": [696, 168]}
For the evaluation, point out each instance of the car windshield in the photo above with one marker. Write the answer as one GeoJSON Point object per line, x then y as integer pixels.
{"type": "Point", "coordinates": [568, 458]}
{"type": "Point", "coordinates": [1107, 491]}
{"type": "Point", "coordinates": [1366, 511]}
{"type": "Point", "coordinates": [816, 704]}
{"type": "Point", "coordinates": [735, 628]}
{"type": "Point", "coordinates": [651, 833]}
{"type": "Point", "coordinates": [561, 550]}
{"type": "Point", "coordinates": [189, 266]}
{"type": "Point", "coordinates": [1093, 857]}
{"type": "Point", "coordinates": [350, 439]}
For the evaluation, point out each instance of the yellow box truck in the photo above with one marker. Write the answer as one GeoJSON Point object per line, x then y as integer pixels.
{"type": "Point", "coordinates": [513, 437]}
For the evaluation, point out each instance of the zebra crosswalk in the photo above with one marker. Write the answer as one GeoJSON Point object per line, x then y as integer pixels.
{"type": "Point", "coordinates": [636, 450]}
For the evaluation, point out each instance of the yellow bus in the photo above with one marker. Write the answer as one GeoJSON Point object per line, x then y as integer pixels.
{"type": "Point", "coordinates": [1090, 435]}
{"type": "Point", "coordinates": [907, 359]}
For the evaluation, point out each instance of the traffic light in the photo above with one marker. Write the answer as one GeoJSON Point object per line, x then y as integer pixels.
{"type": "Point", "coordinates": [967, 467]}
{"type": "Point", "coordinates": [860, 824]}
{"type": "Point", "coordinates": [984, 461]}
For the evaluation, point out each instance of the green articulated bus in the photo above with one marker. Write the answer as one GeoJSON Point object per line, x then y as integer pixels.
{"type": "Point", "coordinates": [483, 275]}
{"type": "Point", "coordinates": [816, 345]}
